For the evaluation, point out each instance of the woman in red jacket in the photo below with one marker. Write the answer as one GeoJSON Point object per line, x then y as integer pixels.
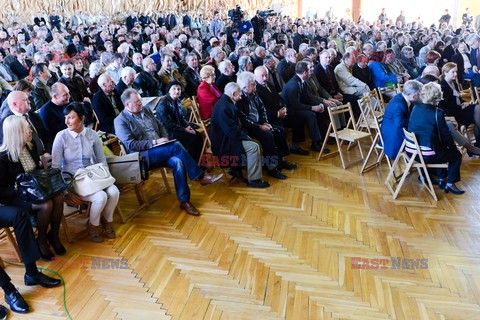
{"type": "Point", "coordinates": [207, 92]}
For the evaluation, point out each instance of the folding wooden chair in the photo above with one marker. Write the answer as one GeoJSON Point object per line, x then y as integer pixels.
{"type": "Point", "coordinates": [384, 91]}
{"type": "Point", "coordinates": [97, 122]}
{"type": "Point", "coordinates": [349, 134]}
{"type": "Point", "coordinates": [467, 95]}
{"type": "Point", "coordinates": [375, 102]}
{"type": "Point", "coordinates": [411, 162]}
{"type": "Point", "coordinates": [7, 233]}
{"type": "Point", "coordinates": [377, 142]}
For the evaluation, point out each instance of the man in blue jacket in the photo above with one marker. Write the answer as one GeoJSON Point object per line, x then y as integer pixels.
{"type": "Point", "coordinates": [396, 117]}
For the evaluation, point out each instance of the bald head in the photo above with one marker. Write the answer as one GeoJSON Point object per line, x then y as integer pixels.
{"type": "Point", "coordinates": [261, 75]}
{"type": "Point", "coordinates": [431, 70]}
{"type": "Point", "coordinates": [18, 102]}
{"type": "Point", "coordinates": [60, 94]}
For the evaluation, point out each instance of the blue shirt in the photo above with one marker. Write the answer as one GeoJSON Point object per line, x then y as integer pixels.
{"type": "Point", "coordinates": [72, 151]}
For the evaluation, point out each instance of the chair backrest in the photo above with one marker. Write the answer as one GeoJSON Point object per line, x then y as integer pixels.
{"type": "Point", "coordinates": [385, 90]}
{"type": "Point", "coordinates": [477, 94]}
{"type": "Point", "coordinates": [187, 103]}
{"type": "Point", "coordinates": [411, 137]}
{"type": "Point", "coordinates": [375, 100]}
{"type": "Point", "coordinates": [344, 108]}
{"type": "Point", "coordinates": [97, 122]}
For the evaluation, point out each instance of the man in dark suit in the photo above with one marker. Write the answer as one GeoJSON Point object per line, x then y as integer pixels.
{"type": "Point", "coordinates": [148, 81]}
{"type": "Point", "coordinates": [254, 120]}
{"type": "Point", "coordinates": [396, 117]}
{"type": "Point", "coordinates": [286, 67]}
{"type": "Point", "coordinates": [274, 79]}
{"type": "Point", "coordinates": [131, 20]}
{"type": "Point", "coordinates": [21, 66]}
{"type": "Point", "coordinates": [41, 90]}
{"type": "Point", "coordinates": [20, 221]}
{"type": "Point", "coordinates": [474, 42]}
{"type": "Point", "coordinates": [75, 47]}
{"type": "Point", "coordinates": [301, 103]}
{"type": "Point", "coordinates": [106, 103]}
{"type": "Point", "coordinates": [230, 142]}
{"type": "Point", "coordinates": [277, 110]}
{"type": "Point", "coordinates": [191, 75]}
{"type": "Point", "coordinates": [126, 80]}
{"type": "Point", "coordinates": [51, 113]}
{"type": "Point", "coordinates": [15, 105]}
{"type": "Point", "coordinates": [140, 131]}
{"type": "Point", "coordinates": [171, 21]}
{"type": "Point", "coordinates": [75, 85]}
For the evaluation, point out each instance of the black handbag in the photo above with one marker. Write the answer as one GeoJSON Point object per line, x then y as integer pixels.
{"type": "Point", "coordinates": [40, 185]}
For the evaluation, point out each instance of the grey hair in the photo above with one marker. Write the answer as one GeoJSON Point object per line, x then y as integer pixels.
{"type": "Point", "coordinates": [412, 87]}
{"type": "Point", "coordinates": [103, 78]}
{"type": "Point", "coordinates": [94, 69]}
{"type": "Point", "coordinates": [223, 65]}
{"type": "Point", "coordinates": [215, 51]}
{"type": "Point", "coordinates": [127, 71]}
{"type": "Point", "coordinates": [231, 88]}
{"type": "Point", "coordinates": [242, 61]}
{"type": "Point", "coordinates": [244, 78]}
{"type": "Point", "coordinates": [127, 95]}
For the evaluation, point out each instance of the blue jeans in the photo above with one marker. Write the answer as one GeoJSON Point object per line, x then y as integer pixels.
{"type": "Point", "coordinates": [177, 158]}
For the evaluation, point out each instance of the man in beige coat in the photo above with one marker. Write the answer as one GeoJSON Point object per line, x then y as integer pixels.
{"type": "Point", "coordinates": [346, 81]}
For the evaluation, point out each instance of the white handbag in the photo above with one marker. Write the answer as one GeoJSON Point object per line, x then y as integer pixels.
{"type": "Point", "coordinates": [92, 179]}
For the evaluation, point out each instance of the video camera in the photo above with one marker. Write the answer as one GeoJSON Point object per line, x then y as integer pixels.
{"type": "Point", "coordinates": [235, 14]}
{"type": "Point", "coordinates": [266, 13]}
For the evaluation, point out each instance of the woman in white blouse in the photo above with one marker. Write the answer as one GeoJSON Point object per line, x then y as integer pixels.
{"type": "Point", "coordinates": [79, 147]}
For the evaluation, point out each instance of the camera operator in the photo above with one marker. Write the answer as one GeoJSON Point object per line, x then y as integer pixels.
{"type": "Point", "coordinates": [259, 23]}
{"type": "Point", "coordinates": [244, 25]}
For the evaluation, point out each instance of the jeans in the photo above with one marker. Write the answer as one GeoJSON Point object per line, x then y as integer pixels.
{"type": "Point", "coordinates": [179, 160]}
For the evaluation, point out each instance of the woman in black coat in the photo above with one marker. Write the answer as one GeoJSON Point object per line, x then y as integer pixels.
{"type": "Point", "coordinates": [169, 113]}
{"type": "Point", "coordinates": [453, 104]}
{"type": "Point", "coordinates": [427, 122]}
{"type": "Point", "coordinates": [17, 156]}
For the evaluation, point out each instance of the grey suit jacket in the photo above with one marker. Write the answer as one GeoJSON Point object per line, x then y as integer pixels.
{"type": "Point", "coordinates": [132, 134]}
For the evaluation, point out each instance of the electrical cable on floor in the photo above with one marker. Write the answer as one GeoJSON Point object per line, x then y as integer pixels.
{"type": "Point", "coordinates": [58, 274]}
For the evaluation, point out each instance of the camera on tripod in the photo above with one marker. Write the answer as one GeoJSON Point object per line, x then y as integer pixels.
{"type": "Point", "coordinates": [236, 14]}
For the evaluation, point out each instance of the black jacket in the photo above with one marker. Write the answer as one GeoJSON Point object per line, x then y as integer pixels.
{"type": "Point", "coordinates": [19, 69]}
{"type": "Point", "coordinates": [77, 88]}
{"type": "Point", "coordinates": [428, 124]}
{"type": "Point", "coordinates": [225, 132]}
{"type": "Point", "coordinates": [298, 97]}
{"type": "Point", "coordinates": [286, 70]}
{"type": "Point", "coordinates": [243, 106]}
{"type": "Point", "coordinates": [449, 102]}
{"type": "Point", "coordinates": [319, 72]}
{"type": "Point", "coordinates": [149, 84]}
{"type": "Point", "coordinates": [9, 171]}
{"type": "Point", "coordinates": [272, 102]}
{"type": "Point", "coordinates": [34, 119]}
{"type": "Point", "coordinates": [167, 114]}
{"type": "Point", "coordinates": [104, 110]}
{"type": "Point", "coordinates": [121, 86]}
{"type": "Point", "coordinates": [193, 81]}
{"type": "Point", "coordinates": [223, 80]}
{"type": "Point", "coordinates": [458, 59]}
{"type": "Point", "coordinates": [40, 94]}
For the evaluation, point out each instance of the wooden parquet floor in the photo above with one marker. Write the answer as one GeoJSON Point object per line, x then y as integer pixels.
{"type": "Point", "coordinates": [286, 252]}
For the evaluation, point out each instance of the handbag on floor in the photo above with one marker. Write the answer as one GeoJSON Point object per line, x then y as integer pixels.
{"type": "Point", "coordinates": [40, 185]}
{"type": "Point", "coordinates": [92, 179]}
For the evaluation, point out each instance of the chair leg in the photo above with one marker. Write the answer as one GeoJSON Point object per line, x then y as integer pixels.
{"type": "Point", "coordinates": [2, 264]}
{"type": "Point", "coordinates": [325, 141]}
{"type": "Point", "coordinates": [66, 229]}
{"type": "Point", "coordinates": [404, 176]}
{"type": "Point", "coordinates": [163, 172]}
{"type": "Point", "coordinates": [142, 199]}
{"type": "Point", "coordinates": [12, 240]}
{"type": "Point", "coordinates": [120, 213]}
{"type": "Point", "coordinates": [369, 154]}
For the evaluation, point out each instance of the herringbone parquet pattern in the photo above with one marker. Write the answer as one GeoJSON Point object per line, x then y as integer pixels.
{"type": "Point", "coordinates": [284, 252]}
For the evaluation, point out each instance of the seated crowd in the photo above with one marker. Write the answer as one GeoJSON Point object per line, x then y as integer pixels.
{"type": "Point", "coordinates": [255, 82]}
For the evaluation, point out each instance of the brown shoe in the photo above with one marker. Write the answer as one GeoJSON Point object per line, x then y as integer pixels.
{"type": "Point", "coordinates": [107, 228]}
{"type": "Point", "coordinates": [209, 179]}
{"type": "Point", "coordinates": [94, 232]}
{"type": "Point", "coordinates": [188, 206]}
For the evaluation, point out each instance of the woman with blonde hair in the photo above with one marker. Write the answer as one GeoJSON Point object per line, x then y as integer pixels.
{"type": "Point", "coordinates": [208, 93]}
{"type": "Point", "coordinates": [427, 122]}
{"type": "Point", "coordinates": [18, 155]}
{"type": "Point", "coordinates": [465, 113]}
